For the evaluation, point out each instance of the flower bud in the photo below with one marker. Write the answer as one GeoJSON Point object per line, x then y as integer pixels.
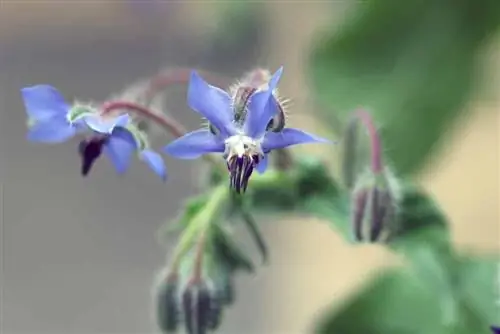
{"type": "Point", "coordinates": [168, 304]}
{"type": "Point", "coordinates": [196, 301]}
{"type": "Point", "coordinates": [216, 310]}
{"type": "Point", "coordinates": [373, 205]}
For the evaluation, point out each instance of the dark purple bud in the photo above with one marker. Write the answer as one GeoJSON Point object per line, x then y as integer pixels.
{"type": "Point", "coordinates": [216, 310]}
{"type": "Point", "coordinates": [197, 305]}
{"type": "Point", "coordinates": [373, 209]}
{"type": "Point", "coordinates": [240, 170]}
{"type": "Point", "coordinates": [90, 150]}
{"type": "Point", "coordinates": [168, 309]}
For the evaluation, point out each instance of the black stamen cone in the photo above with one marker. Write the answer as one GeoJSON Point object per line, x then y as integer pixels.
{"type": "Point", "coordinates": [240, 170]}
{"type": "Point", "coordinates": [90, 150]}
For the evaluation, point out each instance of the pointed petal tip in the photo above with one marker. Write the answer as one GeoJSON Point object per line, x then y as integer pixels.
{"type": "Point", "coordinates": [155, 163]}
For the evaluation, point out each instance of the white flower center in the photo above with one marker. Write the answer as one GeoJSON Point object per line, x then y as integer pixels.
{"type": "Point", "coordinates": [240, 145]}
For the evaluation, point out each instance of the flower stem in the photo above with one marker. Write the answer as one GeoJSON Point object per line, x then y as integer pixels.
{"type": "Point", "coordinates": [176, 76]}
{"type": "Point", "coordinates": [169, 124]}
{"type": "Point", "coordinates": [198, 262]}
{"type": "Point", "coordinates": [200, 224]}
{"type": "Point", "coordinates": [376, 147]}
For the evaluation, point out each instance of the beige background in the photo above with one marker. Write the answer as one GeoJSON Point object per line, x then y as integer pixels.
{"type": "Point", "coordinates": [311, 266]}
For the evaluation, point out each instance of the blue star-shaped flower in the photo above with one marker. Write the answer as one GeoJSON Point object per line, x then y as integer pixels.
{"type": "Point", "coordinates": [54, 121]}
{"type": "Point", "coordinates": [495, 330]}
{"type": "Point", "coordinates": [245, 144]}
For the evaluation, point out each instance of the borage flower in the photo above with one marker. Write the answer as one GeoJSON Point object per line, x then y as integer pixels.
{"type": "Point", "coordinates": [52, 120]}
{"type": "Point", "coordinates": [244, 142]}
{"type": "Point", "coordinates": [119, 146]}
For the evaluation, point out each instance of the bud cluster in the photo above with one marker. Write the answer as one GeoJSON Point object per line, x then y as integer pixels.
{"type": "Point", "coordinates": [197, 305]}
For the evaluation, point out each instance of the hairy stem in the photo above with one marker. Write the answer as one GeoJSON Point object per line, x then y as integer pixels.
{"type": "Point", "coordinates": [376, 147]}
{"type": "Point", "coordinates": [169, 124]}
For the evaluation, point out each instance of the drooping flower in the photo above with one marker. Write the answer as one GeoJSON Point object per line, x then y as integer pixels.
{"type": "Point", "coordinates": [119, 146]}
{"type": "Point", "coordinates": [53, 120]}
{"type": "Point", "coordinates": [244, 141]}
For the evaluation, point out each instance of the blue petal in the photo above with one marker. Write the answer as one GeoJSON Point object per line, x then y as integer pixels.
{"type": "Point", "coordinates": [155, 162]}
{"type": "Point", "coordinates": [212, 103]}
{"type": "Point", "coordinates": [261, 108]}
{"type": "Point", "coordinates": [262, 166]}
{"type": "Point", "coordinates": [43, 102]}
{"type": "Point", "coordinates": [119, 149]}
{"type": "Point", "coordinates": [51, 131]}
{"type": "Point", "coordinates": [195, 144]}
{"type": "Point", "coordinates": [103, 125]}
{"type": "Point", "coordinates": [289, 137]}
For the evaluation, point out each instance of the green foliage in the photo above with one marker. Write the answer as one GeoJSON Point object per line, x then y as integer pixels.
{"type": "Point", "coordinates": [410, 62]}
{"type": "Point", "coordinates": [191, 208]}
{"type": "Point", "coordinates": [227, 252]}
{"type": "Point", "coordinates": [394, 303]}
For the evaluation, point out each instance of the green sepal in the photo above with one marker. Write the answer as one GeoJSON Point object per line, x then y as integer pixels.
{"type": "Point", "coordinates": [78, 111]}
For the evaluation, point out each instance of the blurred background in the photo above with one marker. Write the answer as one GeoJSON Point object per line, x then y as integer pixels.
{"type": "Point", "coordinates": [79, 255]}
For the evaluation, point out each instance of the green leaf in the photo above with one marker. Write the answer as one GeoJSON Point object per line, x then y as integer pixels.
{"type": "Point", "coordinates": [393, 303]}
{"type": "Point", "coordinates": [241, 206]}
{"type": "Point", "coordinates": [191, 209]}
{"type": "Point", "coordinates": [479, 286]}
{"type": "Point", "coordinates": [256, 235]}
{"type": "Point", "coordinates": [399, 302]}
{"type": "Point", "coordinates": [411, 63]}
{"type": "Point", "coordinates": [307, 188]}
{"type": "Point", "coordinates": [226, 251]}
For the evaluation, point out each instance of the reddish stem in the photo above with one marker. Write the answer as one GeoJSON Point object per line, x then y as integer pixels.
{"type": "Point", "coordinates": [169, 124]}
{"type": "Point", "coordinates": [177, 76]}
{"type": "Point", "coordinates": [376, 147]}
{"type": "Point", "coordinates": [198, 264]}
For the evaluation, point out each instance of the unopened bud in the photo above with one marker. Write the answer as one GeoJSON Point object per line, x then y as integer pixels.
{"type": "Point", "coordinates": [254, 81]}
{"type": "Point", "coordinates": [374, 204]}
{"type": "Point", "coordinates": [216, 310]}
{"type": "Point", "coordinates": [168, 310]}
{"type": "Point", "coordinates": [196, 301]}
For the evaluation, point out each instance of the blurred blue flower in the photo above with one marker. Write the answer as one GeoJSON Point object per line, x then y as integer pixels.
{"type": "Point", "coordinates": [244, 144]}
{"type": "Point", "coordinates": [49, 115]}
{"type": "Point", "coordinates": [119, 147]}
{"type": "Point", "coordinates": [54, 121]}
